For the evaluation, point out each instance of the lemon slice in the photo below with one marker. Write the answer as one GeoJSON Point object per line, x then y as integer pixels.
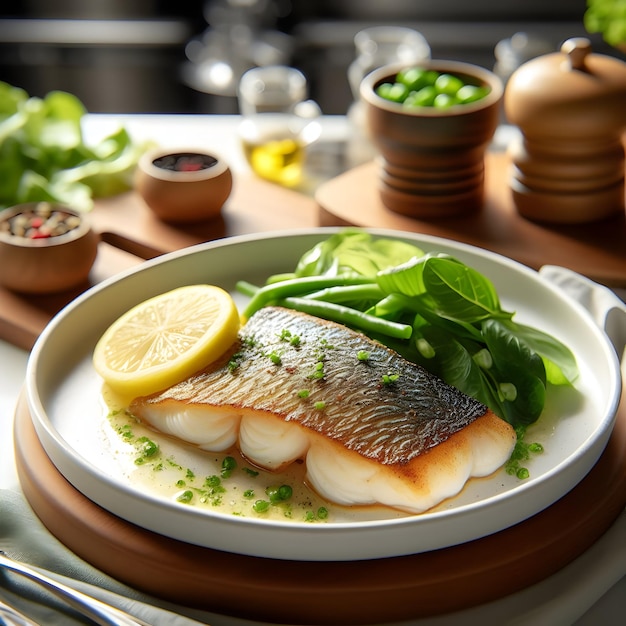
{"type": "Point", "coordinates": [165, 339]}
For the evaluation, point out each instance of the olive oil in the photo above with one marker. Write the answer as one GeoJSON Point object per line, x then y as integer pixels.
{"type": "Point", "coordinates": [280, 160]}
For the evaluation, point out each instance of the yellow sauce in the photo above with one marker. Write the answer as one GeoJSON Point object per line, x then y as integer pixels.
{"type": "Point", "coordinates": [171, 469]}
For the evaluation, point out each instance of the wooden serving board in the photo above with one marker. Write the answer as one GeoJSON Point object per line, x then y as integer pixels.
{"type": "Point", "coordinates": [596, 250]}
{"type": "Point", "coordinates": [130, 233]}
{"type": "Point", "coordinates": [295, 592]}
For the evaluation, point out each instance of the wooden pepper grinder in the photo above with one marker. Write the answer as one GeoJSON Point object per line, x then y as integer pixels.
{"type": "Point", "coordinates": [568, 164]}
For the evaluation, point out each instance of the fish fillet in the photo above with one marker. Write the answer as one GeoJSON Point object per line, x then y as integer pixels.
{"type": "Point", "coordinates": [372, 427]}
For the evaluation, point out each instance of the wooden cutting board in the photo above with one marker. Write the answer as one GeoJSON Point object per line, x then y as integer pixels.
{"type": "Point", "coordinates": [130, 233]}
{"type": "Point", "coordinates": [294, 592]}
{"type": "Point", "coordinates": [596, 250]}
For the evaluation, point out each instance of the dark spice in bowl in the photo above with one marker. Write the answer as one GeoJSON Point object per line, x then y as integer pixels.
{"type": "Point", "coordinates": [185, 162]}
{"type": "Point", "coordinates": [183, 185]}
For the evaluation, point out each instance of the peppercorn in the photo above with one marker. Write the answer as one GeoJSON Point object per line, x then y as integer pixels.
{"type": "Point", "coordinates": [41, 222]}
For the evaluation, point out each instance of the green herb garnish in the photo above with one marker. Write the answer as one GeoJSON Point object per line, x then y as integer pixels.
{"type": "Point", "coordinates": [388, 379]}
{"type": "Point", "coordinates": [228, 465]}
{"type": "Point", "coordinates": [185, 497]}
{"type": "Point", "coordinates": [275, 358]}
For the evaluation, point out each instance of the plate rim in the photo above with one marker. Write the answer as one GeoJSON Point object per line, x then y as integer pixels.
{"type": "Point", "coordinates": [51, 438]}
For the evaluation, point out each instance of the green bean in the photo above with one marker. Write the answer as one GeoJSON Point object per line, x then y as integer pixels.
{"type": "Point", "coordinates": [245, 288]}
{"type": "Point", "coordinates": [278, 278]}
{"type": "Point", "coordinates": [297, 287]}
{"type": "Point", "coordinates": [348, 316]}
{"type": "Point", "coordinates": [348, 293]}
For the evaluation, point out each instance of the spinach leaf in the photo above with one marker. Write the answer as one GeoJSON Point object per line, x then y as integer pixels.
{"type": "Point", "coordinates": [560, 363]}
{"type": "Point", "coordinates": [453, 361]}
{"type": "Point", "coordinates": [519, 371]}
{"type": "Point", "coordinates": [354, 252]}
{"type": "Point", "coordinates": [456, 291]}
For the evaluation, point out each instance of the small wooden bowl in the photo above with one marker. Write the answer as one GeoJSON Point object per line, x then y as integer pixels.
{"type": "Point", "coordinates": [47, 264]}
{"type": "Point", "coordinates": [432, 160]}
{"type": "Point", "coordinates": [182, 186]}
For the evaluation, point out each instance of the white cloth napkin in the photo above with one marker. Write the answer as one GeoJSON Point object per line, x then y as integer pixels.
{"type": "Point", "coordinates": [23, 537]}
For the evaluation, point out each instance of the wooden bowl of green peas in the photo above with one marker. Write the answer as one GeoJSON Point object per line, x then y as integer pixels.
{"type": "Point", "coordinates": [431, 125]}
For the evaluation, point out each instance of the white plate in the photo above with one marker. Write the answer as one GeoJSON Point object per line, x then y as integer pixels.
{"type": "Point", "coordinates": [64, 396]}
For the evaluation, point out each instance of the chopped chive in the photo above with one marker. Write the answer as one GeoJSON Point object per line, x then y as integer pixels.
{"type": "Point", "coordinates": [388, 379]}
{"type": "Point", "coordinates": [279, 493]}
{"type": "Point", "coordinates": [275, 358]}
{"type": "Point", "coordinates": [147, 447]}
{"type": "Point", "coordinates": [234, 361]}
{"type": "Point", "coordinates": [212, 481]}
{"type": "Point", "coordinates": [185, 496]}
{"type": "Point", "coordinates": [261, 506]}
{"type": "Point", "coordinates": [228, 465]}
{"type": "Point", "coordinates": [318, 372]}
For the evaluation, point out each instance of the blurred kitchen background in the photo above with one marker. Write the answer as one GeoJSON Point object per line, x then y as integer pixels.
{"type": "Point", "coordinates": [185, 56]}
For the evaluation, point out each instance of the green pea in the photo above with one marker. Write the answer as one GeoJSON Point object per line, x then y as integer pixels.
{"type": "Point", "coordinates": [285, 492]}
{"type": "Point", "coordinates": [448, 84]}
{"type": "Point", "coordinates": [415, 78]}
{"type": "Point", "coordinates": [444, 101]}
{"type": "Point", "coordinates": [396, 92]}
{"type": "Point", "coordinates": [279, 493]}
{"type": "Point", "coordinates": [421, 87]}
{"type": "Point", "coordinates": [261, 506]}
{"type": "Point", "coordinates": [471, 93]}
{"type": "Point", "coordinates": [423, 98]}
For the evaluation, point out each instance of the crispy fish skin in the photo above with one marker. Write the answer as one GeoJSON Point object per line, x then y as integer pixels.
{"type": "Point", "coordinates": [384, 410]}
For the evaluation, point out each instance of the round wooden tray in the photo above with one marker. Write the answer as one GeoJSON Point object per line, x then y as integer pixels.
{"type": "Point", "coordinates": [295, 592]}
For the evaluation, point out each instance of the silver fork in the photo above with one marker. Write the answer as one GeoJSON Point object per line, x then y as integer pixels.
{"type": "Point", "coordinates": [100, 612]}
